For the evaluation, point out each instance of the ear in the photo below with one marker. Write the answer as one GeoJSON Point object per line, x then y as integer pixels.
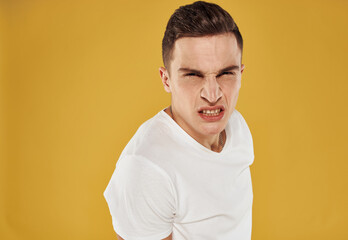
{"type": "Point", "coordinates": [242, 68]}
{"type": "Point", "coordinates": [165, 79]}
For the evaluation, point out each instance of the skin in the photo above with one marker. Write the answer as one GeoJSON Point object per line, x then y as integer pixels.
{"type": "Point", "coordinates": [203, 72]}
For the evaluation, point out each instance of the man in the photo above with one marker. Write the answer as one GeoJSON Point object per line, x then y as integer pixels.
{"type": "Point", "coordinates": [185, 173]}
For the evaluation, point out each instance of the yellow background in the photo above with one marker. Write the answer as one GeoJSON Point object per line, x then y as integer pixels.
{"type": "Point", "coordinates": [79, 77]}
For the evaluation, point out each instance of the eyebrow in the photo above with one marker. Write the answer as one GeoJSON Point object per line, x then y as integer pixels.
{"type": "Point", "coordinates": [229, 68]}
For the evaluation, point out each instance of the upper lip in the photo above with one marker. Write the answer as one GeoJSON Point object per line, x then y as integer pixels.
{"type": "Point", "coordinates": [211, 108]}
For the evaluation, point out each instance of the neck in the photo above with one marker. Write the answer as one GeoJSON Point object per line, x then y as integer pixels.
{"type": "Point", "coordinates": [213, 142]}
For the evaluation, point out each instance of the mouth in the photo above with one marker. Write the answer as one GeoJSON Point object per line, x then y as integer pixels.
{"type": "Point", "coordinates": [214, 112]}
{"type": "Point", "coordinates": [211, 113]}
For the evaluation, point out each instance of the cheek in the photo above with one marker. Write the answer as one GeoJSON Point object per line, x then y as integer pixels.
{"type": "Point", "coordinates": [231, 92]}
{"type": "Point", "coordinates": [231, 87]}
{"type": "Point", "coordinates": [188, 90]}
{"type": "Point", "coordinates": [182, 97]}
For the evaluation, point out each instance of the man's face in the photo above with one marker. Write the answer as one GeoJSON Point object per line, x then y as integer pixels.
{"type": "Point", "coordinates": [204, 81]}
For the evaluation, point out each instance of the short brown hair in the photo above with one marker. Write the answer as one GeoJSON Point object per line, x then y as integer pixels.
{"type": "Point", "coordinates": [197, 20]}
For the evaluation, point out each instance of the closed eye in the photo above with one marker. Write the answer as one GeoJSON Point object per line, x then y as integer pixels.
{"type": "Point", "coordinates": [192, 74]}
{"type": "Point", "coordinates": [226, 73]}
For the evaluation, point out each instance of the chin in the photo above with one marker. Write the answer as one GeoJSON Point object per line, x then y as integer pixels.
{"type": "Point", "coordinates": [213, 129]}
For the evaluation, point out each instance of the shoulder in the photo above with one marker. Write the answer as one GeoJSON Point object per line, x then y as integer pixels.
{"type": "Point", "coordinates": [151, 131]}
{"type": "Point", "coordinates": [236, 115]}
{"type": "Point", "coordinates": [152, 140]}
{"type": "Point", "coordinates": [238, 120]}
{"type": "Point", "coordinates": [241, 131]}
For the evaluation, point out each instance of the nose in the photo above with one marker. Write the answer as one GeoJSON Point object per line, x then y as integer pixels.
{"type": "Point", "coordinates": [211, 90]}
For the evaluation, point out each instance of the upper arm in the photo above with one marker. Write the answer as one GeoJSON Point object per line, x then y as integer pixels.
{"type": "Point", "coordinates": [141, 200]}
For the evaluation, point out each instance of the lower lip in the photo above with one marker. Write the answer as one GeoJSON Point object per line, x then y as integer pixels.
{"type": "Point", "coordinates": [212, 118]}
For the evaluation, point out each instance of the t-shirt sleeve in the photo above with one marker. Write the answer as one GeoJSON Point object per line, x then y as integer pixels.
{"type": "Point", "coordinates": [141, 199]}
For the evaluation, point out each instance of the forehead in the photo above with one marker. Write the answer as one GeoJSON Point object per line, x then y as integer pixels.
{"type": "Point", "coordinates": [207, 54]}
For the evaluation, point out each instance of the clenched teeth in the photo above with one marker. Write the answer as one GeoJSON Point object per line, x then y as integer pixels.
{"type": "Point", "coordinates": [211, 112]}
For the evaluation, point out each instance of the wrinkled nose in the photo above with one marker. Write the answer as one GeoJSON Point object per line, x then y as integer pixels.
{"type": "Point", "coordinates": [211, 90]}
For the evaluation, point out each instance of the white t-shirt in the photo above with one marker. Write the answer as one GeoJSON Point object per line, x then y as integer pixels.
{"type": "Point", "coordinates": [166, 182]}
